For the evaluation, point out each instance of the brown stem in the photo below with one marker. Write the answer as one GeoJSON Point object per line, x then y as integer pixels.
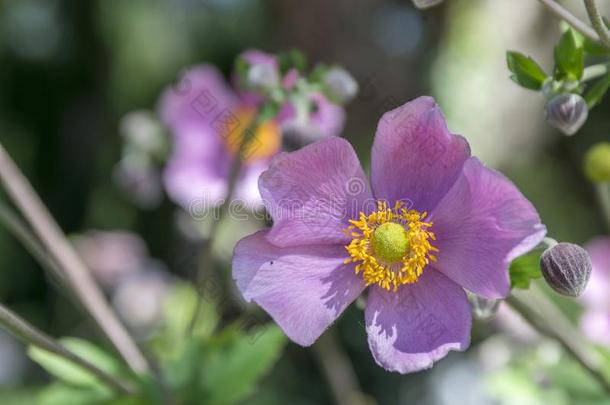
{"type": "Point", "coordinates": [571, 19]}
{"type": "Point", "coordinates": [544, 316]}
{"type": "Point", "coordinates": [597, 21]}
{"type": "Point", "coordinates": [338, 370]}
{"type": "Point", "coordinates": [32, 336]}
{"type": "Point", "coordinates": [223, 209]}
{"type": "Point", "coordinates": [63, 253]}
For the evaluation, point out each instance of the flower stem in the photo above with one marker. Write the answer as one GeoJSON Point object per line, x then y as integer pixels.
{"type": "Point", "coordinates": [597, 21]}
{"type": "Point", "coordinates": [338, 370]}
{"type": "Point", "coordinates": [63, 253]}
{"type": "Point", "coordinates": [24, 235]}
{"type": "Point", "coordinates": [32, 336]}
{"type": "Point", "coordinates": [595, 71]}
{"type": "Point", "coordinates": [540, 312]}
{"type": "Point", "coordinates": [603, 195]}
{"type": "Point", "coordinates": [206, 249]}
{"type": "Point", "coordinates": [571, 19]}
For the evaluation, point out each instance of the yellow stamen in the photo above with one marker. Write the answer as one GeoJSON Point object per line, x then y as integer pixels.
{"type": "Point", "coordinates": [265, 143]}
{"type": "Point", "coordinates": [390, 246]}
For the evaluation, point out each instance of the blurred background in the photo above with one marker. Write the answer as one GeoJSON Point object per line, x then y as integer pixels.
{"type": "Point", "coordinates": [71, 70]}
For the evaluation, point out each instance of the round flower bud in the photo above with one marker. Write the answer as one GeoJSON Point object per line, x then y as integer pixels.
{"type": "Point", "coordinates": [262, 76]}
{"type": "Point", "coordinates": [422, 4]}
{"type": "Point", "coordinates": [597, 163]}
{"type": "Point", "coordinates": [341, 85]}
{"type": "Point", "coordinates": [567, 112]}
{"type": "Point", "coordinates": [566, 267]}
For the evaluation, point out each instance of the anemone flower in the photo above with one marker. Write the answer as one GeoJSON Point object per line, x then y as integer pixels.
{"type": "Point", "coordinates": [207, 117]}
{"type": "Point", "coordinates": [433, 223]}
{"type": "Point", "coordinates": [595, 322]}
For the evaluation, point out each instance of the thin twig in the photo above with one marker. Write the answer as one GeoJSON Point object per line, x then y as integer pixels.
{"type": "Point", "coordinates": [32, 336]}
{"type": "Point", "coordinates": [63, 253]}
{"type": "Point", "coordinates": [24, 235]}
{"type": "Point", "coordinates": [223, 209]}
{"type": "Point", "coordinates": [597, 21]}
{"type": "Point", "coordinates": [603, 196]}
{"type": "Point", "coordinates": [544, 316]}
{"type": "Point", "coordinates": [571, 19]}
{"type": "Point", "coordinates": [594, 71]}
{"type": "Point", "coordinates": [338, 370]}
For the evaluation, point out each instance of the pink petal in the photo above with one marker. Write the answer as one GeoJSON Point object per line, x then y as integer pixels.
{"type": "Point", "coordinates": [481, 225]}
{"type": "Point", "coordinates": [201, 100]}
{"type": "Point", "coordinates": [415, 158]}
{"type": "Point", "coordinates": [419, 324]}
{"type": "Point", "coordinates": [304, 289]}
{"type": "Point", "coordinates": [312, 193]}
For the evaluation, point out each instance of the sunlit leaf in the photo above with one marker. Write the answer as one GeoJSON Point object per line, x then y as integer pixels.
{"type": "Point", "coordinates": [71, 373]}
{"type": "Point", "coordinates": [234, 363]}
{"type": "Point", "coordinates": [596, 93]}
{"type": "Point", "coordinates": [525, 71]}
{"type": "Point", "coordinates": [569, 57]}
{"type": "Point", "coordinates": [524, 269]}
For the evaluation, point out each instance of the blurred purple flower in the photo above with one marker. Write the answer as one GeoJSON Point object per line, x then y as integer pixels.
{"type": "Point", "coordinates": [307, 269]}
{"type": "Point", "coordinates": [139, 298]}
{"type": "Point", "coordinates": [595, 322]}
{"type": "Point", "coordinates": [207, 117]}
{"type": "Point", "coordinates": [111, 255]}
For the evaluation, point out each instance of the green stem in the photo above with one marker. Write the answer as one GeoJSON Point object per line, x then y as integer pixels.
{"type": "Point", "coordinates": [76, 273]}
{"type": "Point", "coordinates": [32, 336]}
{"type": "Point", "coordinates": [223, 209]}
{"type": "Point", "coordinates": [597, 21]}
{"type": "Point", "coordinates": [571, 19]}
{"type": "Point", "coordinates": [542, 314]}
{"type": "Point", "coordinates": [595, 71]}
{"type": "Point", "coordinates": [603, 196]}
{"type": "Point", "coordinates": [338, 370]}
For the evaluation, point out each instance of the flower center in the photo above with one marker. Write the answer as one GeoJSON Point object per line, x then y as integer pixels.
{"type": "Point", "coordinates": [265, 143]}
{"type": "Point", "coordinates": [390, 241]}
{"type": "Point", "coordinates": [390, 246]}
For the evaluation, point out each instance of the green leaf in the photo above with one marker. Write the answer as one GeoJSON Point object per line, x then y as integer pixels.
{"type": "Point", "coordinates": [62, 394]}
{"type": "Point", "coordinates": [569, 57]}
{"type": "Point", "coordinates": [233, 364]}
{"type": "Point", "coordinates": [595, 94]}
{"type": "Point", "coordinates": [292, 59]}
{"type": "Point", "coordinates": [71, 373]}
{"type": "Point", "coordinates": [524, 269]}
{"type": "Point", "coordinates": [178, 310]}
{"type": "Point", "coordinates": [525, 71]}
{"type": "Point", "coordinates": [589, 46]}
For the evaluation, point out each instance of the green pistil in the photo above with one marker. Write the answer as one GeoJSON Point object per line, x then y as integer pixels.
{"type": "Point", "coordinates": [390, 242]}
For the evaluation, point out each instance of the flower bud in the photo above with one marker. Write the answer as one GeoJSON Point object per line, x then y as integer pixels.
{"type": "Point", "coordinates": [341, 85]}
{"type": "Point", "coordinates": [566, 267]}
{"type": "Point", "coordinates": [567, 112]}
{"type": "Point", "coordinates": [422, 4]}
{"type": "Point", "coordinates": [597, 163]}
{"type": "Point", "coordinates": [262, 76]}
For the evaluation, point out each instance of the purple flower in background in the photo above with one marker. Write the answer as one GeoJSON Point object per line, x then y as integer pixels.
{"type": "Point", "coordinates": [595, 322]}
{"type": "Point", "coordinates": [207, 117]}
{"type": "Point", "coordinates": [433, 223]}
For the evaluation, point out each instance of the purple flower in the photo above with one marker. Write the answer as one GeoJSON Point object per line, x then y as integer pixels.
{"type": "Point", "coordinates": [206, 117]}
{"type": "Point", "coordinates": [595, 322]}
{"type": "Point", "coordinates": [433, 223]}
